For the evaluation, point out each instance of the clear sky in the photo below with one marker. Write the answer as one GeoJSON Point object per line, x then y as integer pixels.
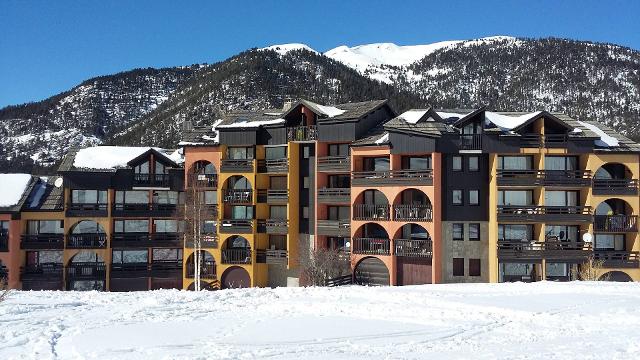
{"type": "Point", "coordinates": [50, 46]}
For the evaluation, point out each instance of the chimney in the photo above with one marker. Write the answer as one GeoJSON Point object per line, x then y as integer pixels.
{"type": "Point", "coordinates": [287, 104]}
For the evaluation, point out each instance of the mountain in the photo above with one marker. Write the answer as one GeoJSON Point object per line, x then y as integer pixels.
{"type": "Point", "coordinates": [591, 81]}
{"type": "Point", "coordinates": [38, 134]}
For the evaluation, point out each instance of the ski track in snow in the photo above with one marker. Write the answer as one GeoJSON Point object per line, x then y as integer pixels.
{"type": "Point", "coordinates": [459, 321]}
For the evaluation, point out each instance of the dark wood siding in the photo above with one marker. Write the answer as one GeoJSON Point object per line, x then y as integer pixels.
{"type": "Point", "coordinates": [87, 180]}
{"type": "Point", "coordinates": [406, 144]}
{"type": "Point", "coordinates": [371, 271]}
{"type": "Point", "coordinates": [413, 271]}
{"type": "Point", "coordinates": [272, 136]}
{"type": "Point", "coordinates": [465, 180]}
{"type": "Point", "coordinates": [238, 136]}
{"type": "Point", "coordinates": [335, 132]}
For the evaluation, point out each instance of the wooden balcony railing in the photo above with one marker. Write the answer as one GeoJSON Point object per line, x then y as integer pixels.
{"type": "Point", "coordinates": [46, 271]}
{"type": "Point", "coordinates": [42, 241]}
{"type": "Point", "coordinates": [273, 226]}
{"type": "Point", "coordinates": [334, 195]}
{"type": "Point", "coordinates": [541, 141]}
{"type": "Point", "coordinates": [570, 251]}
{"type": "Point", "coordinates": [371, 246]}
{"type": "Point", "coordinates": [203, 180]}
{"type": "Point", "coordinates": [86, 271]}
{"type": "Point", "coordinates": [412, 213]}
{"type": "Point", "coordinates": [237, 196]}
{"type": "Point", "coordinates": [130, 270]}
{"type": "Point", "coordinates": [273, 196]}
{"type": "Point", "coordinates": [544, 213]}
{"type": "Point", "coordinates": [92, 210]}
{"type": "Point", "coordinates": [615, 186]}
{"type": "Point", "coordinates": [87, 241]}
{"type": "Point", "coordinates": [207, 270]}
{"type": "Point", "coordinates": [158, 180]}
{"type": "Point", "coordinates": [615, 223]}
{"type": "Point", "coordinates": [392, 177]}
{"type": "Point", "coordinates": [413, 247]}
{"type": "Point", "coordinates": [236, 165]}
{"type": "Point", "coordinates": [166, 268]}
{"type": "Point", "coordinates": [371, 212]}
{"type": "Point", "coordinates": [470, 142]}
{"type": "Point", "coordinates": [236, 256]}
{"type": "Point", "coordinates": [334, 163]}
{"type": "Point", "coordinates": [334, 227]}
{"type": "Point", "coordinates": [544, 177]}
{"type": "Point", "coordinates": [271, 256]}
{"type": "Point", "coordinates": [618, 259]}
{"type": "Point", "coordinates": [273, 166]}
{"type": "Point", "coordinates": [302, 133]}
{"type": "Point", "coordinates": [126, 240]}
{"type": "Point", "coordinates": [236, 226]}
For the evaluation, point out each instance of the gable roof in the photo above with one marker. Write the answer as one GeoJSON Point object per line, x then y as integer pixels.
{"type": "Point", "coordinates": [425, 122]}
{"type": "Point", "coordinates": [46, 195]}
{"type": "Point", "coordinates": [14, 191]}
{"type": "Point", "coordinates": [112, 158]}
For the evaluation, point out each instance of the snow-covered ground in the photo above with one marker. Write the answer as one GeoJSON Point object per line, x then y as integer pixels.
{"type": "Point", "coordinates": [483, 321]}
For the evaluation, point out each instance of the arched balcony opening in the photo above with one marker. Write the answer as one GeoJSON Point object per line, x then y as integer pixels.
{"type": "Point", "coordinates": [207, 265]}
{"type": "Point", "coordinates": [87, 234]}
{"type": "Point", "coordinates": [203, 174]}
{"type": "Point", "coordinates": [614, 179]}
{"type": "Point", "coordinates": [412, 205]}
{"type": "Point", "coordinates": [86, 271]}
{"type": "Point", "coordinates": [371, 239]}
{"type": "Point", "coordinates": [371, 271]}
{"type": "Point", "coordinates": [371, 205]}
{"type": "Point", "coordinates": [235, 277]}
{"type": "Point", "coordinates": [238, 213]}
{"type": "Point", "coordinates": [615, 215]}
{"type": "Point", "coordinates": [413, 240]}
{"type": "Point", "coordinates": [236, 250]}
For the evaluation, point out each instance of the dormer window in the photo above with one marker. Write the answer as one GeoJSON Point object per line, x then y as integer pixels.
{"type": "Point", "coordinates": [142, 168]}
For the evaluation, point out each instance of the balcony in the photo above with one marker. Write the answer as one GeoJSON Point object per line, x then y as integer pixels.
{"type": "Point", "coordinates": [203, 181]}
{"type": "Point", "coordinates": [273, 196]}
{"type": "Point", "coordinates": [273, 166]}
{"type": "Point", "coordinates": [4, 242]}
{"type": "Point", "coordinates": [236, 165]}
{"type": "Point", "coordinates": [413, 248]}
{"type": "Point", "coordinates": [87, 210]}
{"type": "Point", "coordinates": [273, 257]}
{"type": "Point", "coordinates": [412, 213]}
{"type": "Point", "coordinates": [615, 187]}
{"type": "Point", "coordinates": [569, 251]}
{"type": "Point", "coordinates": [334, 163]}
{"type": "Point", "coordinates": [144, 210]}
{"type": "Point", "coordinates": [42, 272]}
{"type": "Point", "coordinates": [371, 246]}
{"type": "Point", "coordinates": [86, 271]}
{"type": "Point", "coordinates": [392, 177]}
{"type": "Point", "coordinates": [237, 226]}
{"type": "Point", "coordinates": [130, 270]}
{"type": "Point", "coordinates": [273, 226]}
{"type": "Point", "coordinates": [151, 180]}
{"type": "Point", "coordinates": [207, 270]}
{"type": "Point", "coordinates": [543, 141]}
{"type": "Point", "coordinates": [371, 212]}
{"type": "Point", "coordinates": [565, 178]}
{"type": "Point", "coordinates": [302, 133]}
{"type": "Point", "coordinates": [166, 268]}
{"type": "Point", "coordinates": [470, 142]}
{"type": "Point", "coordinates": [237, 196]}
{"type": "Point", "coordinates": [236, 256]}
{"type": "Point", "coordinates": [615, 223]}
{"type": "Point", "coordinates": [130, 240]}
{"type": "Point", "coordinates": [340, 228]}
{"type": "Point", "coordinates": [86, 241]}
{"type": "Point", "coordinates": [334, 195]}
{"type": "Point", "coordinates": [537, 213]}
{"type": "Point", "coordinates": [209, 240]}
{"type": "Point", "coordinates": [42, 242]}
{"type": "Point", "coordinates": [618, 259]}
{"type": "Point", "coordinates": [166, 240]}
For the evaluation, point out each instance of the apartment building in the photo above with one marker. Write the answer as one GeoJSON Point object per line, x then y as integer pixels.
{"type": "Point", "coordinates": [425, 196]}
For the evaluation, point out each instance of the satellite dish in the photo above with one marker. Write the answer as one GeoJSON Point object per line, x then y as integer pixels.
{"type": "Point", "coordinates": [347, 244]}
{"type": "Point", "coordinates": [58, 182]}
{"type": "Point", "coordinates": [586, 237]}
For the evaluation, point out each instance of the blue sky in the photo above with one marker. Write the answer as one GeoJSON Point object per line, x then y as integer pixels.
{"type": "Point", "coordinates": [50, 46]}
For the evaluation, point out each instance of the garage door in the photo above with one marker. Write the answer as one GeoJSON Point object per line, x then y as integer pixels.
{"type": "Point", "coordinates": [413, 271]}
{"type": "Point", "coordinates": [371, 271]}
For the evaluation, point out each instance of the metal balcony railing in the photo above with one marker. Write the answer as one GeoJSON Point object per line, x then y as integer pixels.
{"type": "Point", "coordinates": [236, 256]}
{"type": "Point", "coordinates": [372, 212]}
{"type": "Point", "coordinates": [615, 223]}
{"type": "Point", "coordinates": [413, 248]}
{"type": "Point", "coordinates": [371, 246]}
{"type": "Point", "coordinates": [302, 133]}
{"type": "Point", "coordinates": [412, 213]}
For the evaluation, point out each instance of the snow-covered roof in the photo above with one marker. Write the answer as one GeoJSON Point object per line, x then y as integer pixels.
{"type": "Point", "coordinates": [383, 139]}
{"type": "Point", "coordinates": [283, 49]}
{"type": "Point", "coordinates": [507, 122]}
{"type": "Point", "coordinates": [330, 111]}
{"type": "Point", "coordinates": [412, 116]}
{"type": "Point", "coordinates": [606, 140]}
{"type": "Point", "coordinates": [252, 123]}
{"type": "Point", "coordinates": [12, 188]}
{"type": "Point", "coordinates": [113, 157]}
{"type": "Point", "coordinates": [447, 115]}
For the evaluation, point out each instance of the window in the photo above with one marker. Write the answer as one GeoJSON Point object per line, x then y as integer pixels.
{"type": "Point", "coordinates": [458, 266]}
{"type": "Point", "coordinates": [457, 163]}
{"type": "Point", "coordinates": [473, 197]}
{"type": "Point", "coordinates": [142, 168]}
{"type": "Point", "coordinates": [515, 197]}
{"type": "Point", "coordinates": [305, 212]}
{"type": "Point", "coordinates": [337, 243]}
{"type": "Point", "coordinates": [88, 196]}
{"type": "Point", "coordinates": [209, 226]}
{"type": "Point", "coordinates": [474, 163]}
{"type": "Point", "coordinates": [515, 232]}
{"type": "Point", "coordinates": [130, 256]}
{"type": "Point", "coordinates": [561, 198]}
{"type": "Point", "coordinates": [562, 232]}
{"type": "Point", "coordinates": [305, 182]}
{"type": "Point", "coordinates": [416, 162]}
{"type": "Point", "coordinates": [278, 183]}
{"type": "Point", "coordinates": [375, 164]}
{"type": "Point", "coordinates": [167, 226]}
{"type": "Point", "coordinates": [515, 162]}
{"type": "Point", "coordinates": [609, 242]}
{"type": "Point", "coordinates": [474, 267]}
{"type": "Point", "coordinates": [43, 257]}
{"type": "Point", "coordinates": [338, 149]}
{"type": "Point", "coordinates": [210, 197]}
{"type": "Point", "coordinates": [374, 197]}
{"type": "Point", "coordinates": [240, 153]}
{"type": "Point", "coordinates": [241, 212]}
{"type": "Point", "coordinates": [4, 229]}
{"type": "Point", "coordinates": [456, 197]}
{"type": "Point", "coordinates": [131, 226]}
{"type": "Point", "coordinates": [339, 181]}
{"type": "Point", "coordinates": [560, 163]}
{"type": "Point", "coordinates": [278, 212]}
{"type": "Point", "coordinates": [474, 232]}
{"type": "Point", "coordinates": [239, 183]}
{"type": "Point", "coordinates": [339, 212]}
{"type": "Point", "coordinates": [166, 255]}
{"type": "Point", "coordinates": [35, 227]}
{"type": "Point", "coordinates": [278, 242]}
{"type": "Point", "coordinates": [556, 270]}
{"type": "Point", "coordinates": [306, 152]}
{"type": "Point", "coordinates": [277, 152]}
{"type": "Point", "coordinates": [132, 197]}
{"type": "Point", "coordinates": [458, 231]}
{"type": "Point", "coordinates": [165, 197]}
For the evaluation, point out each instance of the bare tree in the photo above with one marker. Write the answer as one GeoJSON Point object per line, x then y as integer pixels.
{"type": "Point", "coordinates": [194, 212]}
{"type": "Point", "coordinates": [319, 265]}
{"type": "Point", "coordinates": [590, 270]}
{"type": "Point", "coordinates": [4, 290]}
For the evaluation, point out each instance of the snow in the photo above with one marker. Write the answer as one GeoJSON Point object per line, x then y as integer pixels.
{"type": "Point", "coordinates": [590, 320]}
{"type": "Point", "coordinates": [362, 56]}
{"type": "Point", "coordinates": [251, 124]}
{"type": "Point", "coordinates": [330, 111]}
{"type": "Point", "coordinates": [283, 49]}
{"type": "Point", "coordinates": [383, 139]}
{"type": "Point", "coordinates": [507, 122]}
{"type": "Point", "coordinates": [605, 139]}
{"type": "Point", "coordinates": [112, 157]}
{"type": "Point", "coordinates": [412, 116]}
{"type": "Point", "coordinates": [447, 115]}
{"type": "Point", "coordinates": [13, 186]}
